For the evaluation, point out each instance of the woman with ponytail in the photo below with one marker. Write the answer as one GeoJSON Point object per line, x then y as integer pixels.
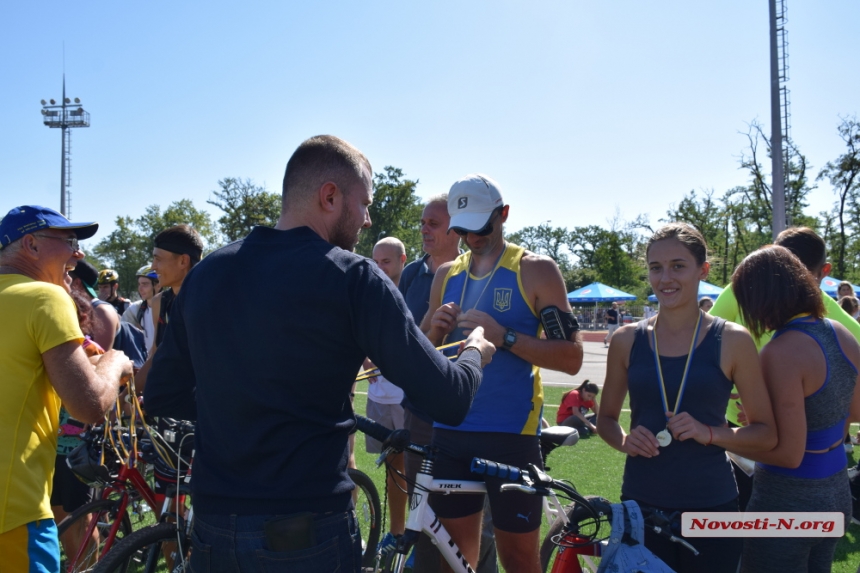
{"type": "Point", "coordinates": [575, 405]}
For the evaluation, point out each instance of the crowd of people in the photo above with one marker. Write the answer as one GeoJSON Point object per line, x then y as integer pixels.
{"type": "Point", "coordinates": [260, 341]}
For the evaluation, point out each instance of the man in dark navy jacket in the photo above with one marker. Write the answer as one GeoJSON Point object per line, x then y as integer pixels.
{"type": "Point", "coordinates": [268, 380]}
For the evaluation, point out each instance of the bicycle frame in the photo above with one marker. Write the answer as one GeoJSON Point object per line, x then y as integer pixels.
{"type": "Point", "coordinates": [422, 518]}
{"type": "Point", "coordinates": [567, 560]}
{"type": "Point", "coordinates": [128, 484]}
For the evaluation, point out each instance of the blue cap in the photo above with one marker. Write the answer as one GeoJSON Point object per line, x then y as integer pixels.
{"type": "Point", "coordinates": [28, 219]}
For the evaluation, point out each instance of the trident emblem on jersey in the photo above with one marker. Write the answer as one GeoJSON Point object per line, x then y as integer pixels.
{"type": "Point", "coordinates": [502, 299]}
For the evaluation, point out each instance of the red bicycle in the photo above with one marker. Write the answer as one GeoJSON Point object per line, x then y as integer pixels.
{"type": "Point", "coordinates": [116, 463]}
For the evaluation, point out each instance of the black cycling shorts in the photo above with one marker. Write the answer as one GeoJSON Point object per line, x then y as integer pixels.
{"type": "Point", "coordinates": [68, 491]}
{"type": "Point", "coordinates": [514, 512]}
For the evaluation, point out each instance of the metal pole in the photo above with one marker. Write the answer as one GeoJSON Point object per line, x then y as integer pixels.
{"type": "Point", "coordinates": [777, 174]}
{"type": "Point", "coordinates": [65, 118]}
{"type": "Point", "coordinates": [63, 205]}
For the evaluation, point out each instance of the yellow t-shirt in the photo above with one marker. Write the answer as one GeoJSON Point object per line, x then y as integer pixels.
{"type": "Point", "coordinates": [726, 306]}
{"type": "Point", "coordinates": [36, 317]}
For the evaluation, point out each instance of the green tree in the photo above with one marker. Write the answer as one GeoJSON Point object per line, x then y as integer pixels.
{"type": "Point", "coordinates": [844, 176]}
{"type": "Point", "coordinates": [395, 212]}
{"type": "Point", "coordinates": [129, 246]}
{"type": "Point", "coordinates": [545, 240]}
{"type": "Point", "coordinates": [153, 221]}
{"type": "Point", "coordinates": [125, 250]}
{"type": "Point", "coordinates": [613, 256]}
{"type": "Point", "coordinates": [245, 206]}
{"type": "Point", "coordinates": [741, 220]}
{"type": "Point", "coordinates": [711, 217]}
{"type": "Point", "coordinates": [756, 199]}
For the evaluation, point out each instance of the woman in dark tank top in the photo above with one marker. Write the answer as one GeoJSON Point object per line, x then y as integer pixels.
{"type": "Point", "coordinates": [810, 367]}
{"type": "Point", "coordinates": [676, 447]}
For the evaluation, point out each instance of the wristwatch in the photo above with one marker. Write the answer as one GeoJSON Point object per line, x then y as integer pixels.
{"type": "Point", "coordinates": [510, 338]}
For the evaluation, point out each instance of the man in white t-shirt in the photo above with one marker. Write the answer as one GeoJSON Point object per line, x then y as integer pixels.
{"type": "Point", "coordinates": [383, 397]}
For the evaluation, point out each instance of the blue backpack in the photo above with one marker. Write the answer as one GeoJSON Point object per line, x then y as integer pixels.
{"type": "Point", "coordinates": [626, 552]}
{"type": "Point", "coordinates": [129, 339]}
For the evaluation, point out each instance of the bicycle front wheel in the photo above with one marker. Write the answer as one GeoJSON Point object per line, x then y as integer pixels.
{"type": "Point", "coordinates": [368, 512]}
{"type": "Point", "coordinates": [85, 534]}
{"type": "Point", "coordinates": [152, 549]}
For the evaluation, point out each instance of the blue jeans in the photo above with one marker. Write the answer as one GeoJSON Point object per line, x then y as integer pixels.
{"type": "Point", "coordinates": [234, 543]}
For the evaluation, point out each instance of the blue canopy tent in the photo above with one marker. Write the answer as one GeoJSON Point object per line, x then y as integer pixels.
{"type": "Point", "coordinates": [830, 284]}
{"type": "Point", "coordinates": [705, 289]}
{"type": "Point", "coordinates": [597, 292]}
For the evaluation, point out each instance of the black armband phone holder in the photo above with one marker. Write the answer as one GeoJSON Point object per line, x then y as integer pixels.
{"type": "Point", "coordinates": [558, 325]}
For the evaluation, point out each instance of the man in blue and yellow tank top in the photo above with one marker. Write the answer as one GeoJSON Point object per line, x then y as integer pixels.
{"type": "Point", "coordinates": [506, 290]}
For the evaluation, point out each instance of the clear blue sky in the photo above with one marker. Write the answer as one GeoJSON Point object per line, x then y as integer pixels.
{"type": "Point", "coordinates": [579, 109]}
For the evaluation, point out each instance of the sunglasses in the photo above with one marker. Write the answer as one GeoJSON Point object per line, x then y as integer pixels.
{"type": "Point", "coordinates": [486, 230]}
{"type": "Point", "coordinates": [71, 241]}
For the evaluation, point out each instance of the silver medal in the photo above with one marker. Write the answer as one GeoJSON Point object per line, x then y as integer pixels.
{"type": "Point", "coordinates": [664, 438]}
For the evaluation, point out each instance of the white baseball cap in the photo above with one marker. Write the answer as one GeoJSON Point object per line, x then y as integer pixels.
{"type": "Point", "coordinates": [471, 202]}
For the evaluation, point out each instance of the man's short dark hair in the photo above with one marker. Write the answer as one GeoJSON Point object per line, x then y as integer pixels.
{"type": "Point", "coordinates": [181, 240]}
{"type": "Point", "coordinates": [806, 246]}
{"type": "Point", "coordinates": [320, 159]}
{"type": "Point", "coordinates": [772, 286]}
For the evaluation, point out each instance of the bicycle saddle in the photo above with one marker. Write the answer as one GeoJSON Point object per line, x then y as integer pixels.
{"type": "Point", "coordinates": [559, 436]}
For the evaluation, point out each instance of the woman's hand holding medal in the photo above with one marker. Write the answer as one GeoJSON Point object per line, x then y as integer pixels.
{"type": "Point", "coordinates": [641, 442]}
{"type": "Point", "coordinates": [684, 427]}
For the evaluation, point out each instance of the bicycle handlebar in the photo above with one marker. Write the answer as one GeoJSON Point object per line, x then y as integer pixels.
{"type": "Point", "coordinates": [397, 440]}
{"type": "Point", "coordinates": [533, 480]}
{"type": "Point", "coordinates": [376, 431]}
{"type": "Point", "coordinates": [494, 469]}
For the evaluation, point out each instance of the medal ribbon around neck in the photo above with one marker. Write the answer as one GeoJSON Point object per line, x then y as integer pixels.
{"type": "Point", "coordinates": [663, 395]}
{"type": "Point", "coordinates": [489, 280]}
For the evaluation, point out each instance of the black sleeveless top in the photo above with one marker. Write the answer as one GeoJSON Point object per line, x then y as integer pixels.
{"type": "Point", "coordinates": [686, 475]}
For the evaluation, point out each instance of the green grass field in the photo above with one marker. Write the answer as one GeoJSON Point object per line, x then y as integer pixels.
{"type": "Point", "coordinates": [596, 469]}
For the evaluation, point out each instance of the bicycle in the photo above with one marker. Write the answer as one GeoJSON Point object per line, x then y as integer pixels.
{"type": "Point", "coordinates": [137, 551]}
{"type": "Point", "coordinates": [421, 517]}
{"type": "Point", "coordinates": [110, 461]}
{"type": "Point", "coordinates": [165, 546]}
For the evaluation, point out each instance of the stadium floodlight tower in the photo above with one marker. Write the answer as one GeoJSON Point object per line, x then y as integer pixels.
{"type": "Point", "coordinates": [779, 115]}
{"type": "Point", "coordinates": [65, 116]}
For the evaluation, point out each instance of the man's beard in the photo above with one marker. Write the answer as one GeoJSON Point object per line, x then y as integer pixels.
{"type": "Point", "coordinates": [345, 234]}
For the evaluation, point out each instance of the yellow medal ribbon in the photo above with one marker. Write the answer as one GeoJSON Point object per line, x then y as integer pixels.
{"type": "Point", "coordinates": [665, 436]}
